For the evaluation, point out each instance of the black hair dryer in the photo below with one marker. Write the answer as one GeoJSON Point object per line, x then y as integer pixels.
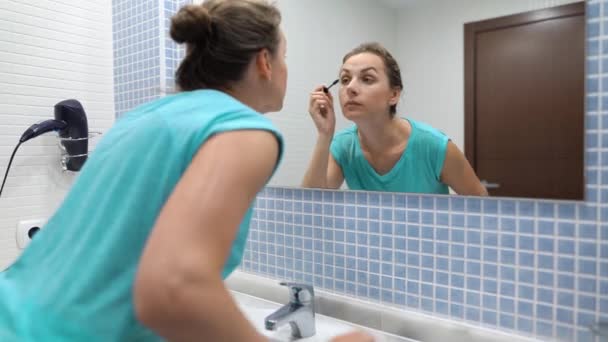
{"type": "Point", "coordinates": [74, 138]}
{"type": "Point", "coordinates": [71, 124]}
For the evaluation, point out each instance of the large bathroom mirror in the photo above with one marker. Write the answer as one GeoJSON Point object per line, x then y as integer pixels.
{"type": "Point", "coordinates": [504, 80]}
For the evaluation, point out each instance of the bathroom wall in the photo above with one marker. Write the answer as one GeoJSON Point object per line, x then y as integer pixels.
{"type": "Point", "coordinates": [532, 267]}
{"type": "Point", "coordinates": [137, 32]}
{"type": "Point", "coordinates": [49, 51]}
{"type": "Point", "coordinates": [173, 53]}
{"type": "Point", "coordinates": [145, 57]}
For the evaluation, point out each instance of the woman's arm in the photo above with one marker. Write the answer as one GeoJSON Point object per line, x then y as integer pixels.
{"type": "Point", "coordinates": [323, 171]}
{"type": "Point", "coordinates": [458, 174]}
{"type": "Point", "coordinates": [179, 292]}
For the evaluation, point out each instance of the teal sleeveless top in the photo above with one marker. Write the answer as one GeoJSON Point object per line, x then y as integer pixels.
{"type": "Point", "coordinates": [74, 281]}
{"type": "Point", "coordinates": [418, 170]}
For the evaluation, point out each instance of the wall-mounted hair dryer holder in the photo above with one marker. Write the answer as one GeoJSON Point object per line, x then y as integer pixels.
{"type": "Point", "coordinates": [67, 159]}
{"type": "Point", "coordinates": [70, 123]}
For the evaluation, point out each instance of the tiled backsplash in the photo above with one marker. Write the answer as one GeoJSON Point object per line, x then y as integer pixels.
{"type": "Point", "coordinates": [537, 267]}
{"type": "Point", "coordinates": [533, 267]}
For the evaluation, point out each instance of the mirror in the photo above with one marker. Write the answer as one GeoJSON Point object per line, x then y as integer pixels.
{"type": "Point", "coordinates": [503, 80]}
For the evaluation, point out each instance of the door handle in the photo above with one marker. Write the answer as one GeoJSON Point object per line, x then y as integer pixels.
{"type": "Point", "coordinates": [490, 185]}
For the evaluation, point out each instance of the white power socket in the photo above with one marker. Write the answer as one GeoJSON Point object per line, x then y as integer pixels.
{"type": "Point", "coordinates": [26, 230]}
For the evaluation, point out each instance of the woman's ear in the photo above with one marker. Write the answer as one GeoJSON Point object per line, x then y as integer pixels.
{"type": "Point", "coordinates": [395, 95]}
{"type": "Point", "coordinates": [263, 64]}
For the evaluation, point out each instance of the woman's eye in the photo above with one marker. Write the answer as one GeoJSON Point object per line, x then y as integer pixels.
{"type": "Point", "coordinates": [344, 80]}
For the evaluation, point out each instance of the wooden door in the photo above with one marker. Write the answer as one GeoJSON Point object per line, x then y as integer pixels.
{"type": "Point", "coordinates": [524, 102]}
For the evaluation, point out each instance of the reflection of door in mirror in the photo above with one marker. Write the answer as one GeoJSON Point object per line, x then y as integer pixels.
{"type": "Point", "coordinates": [524, 102]}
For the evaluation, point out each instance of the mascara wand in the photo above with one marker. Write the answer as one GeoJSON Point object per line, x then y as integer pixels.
{"type": "Point", "coordinates": [326, 89]}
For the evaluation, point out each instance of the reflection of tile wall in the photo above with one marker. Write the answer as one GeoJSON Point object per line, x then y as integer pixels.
{"type": "Point", "coordinates": [145, 57]}
{"type": "Point", "coordinates": [533, 267]}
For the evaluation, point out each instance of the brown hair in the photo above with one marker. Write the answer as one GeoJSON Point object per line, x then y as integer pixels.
{"type": "Point", "coordinates": [222, 36]}
{"type": "Point", "coordinates": [390, 64]}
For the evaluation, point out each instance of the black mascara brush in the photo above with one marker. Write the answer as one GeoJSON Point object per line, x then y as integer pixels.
{"type": "Point", "coordinates": [326, 89]}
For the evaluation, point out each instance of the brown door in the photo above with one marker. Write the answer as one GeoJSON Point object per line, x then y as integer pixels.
{"type": "Point", "coordinates": [524, 102]}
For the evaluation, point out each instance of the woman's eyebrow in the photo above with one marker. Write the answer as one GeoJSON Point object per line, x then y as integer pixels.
{"type": "Point", "coordinates": [368, 69]}
{"type": "Point", "coordinates": [345, 70]}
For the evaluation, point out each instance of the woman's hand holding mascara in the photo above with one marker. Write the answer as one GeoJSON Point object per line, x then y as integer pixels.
{"type": "Point", "coordinates": [321, 109]}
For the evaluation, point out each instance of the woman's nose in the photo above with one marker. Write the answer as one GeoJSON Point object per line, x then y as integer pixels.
{"type": "Point", "coordinates": [351, 88]}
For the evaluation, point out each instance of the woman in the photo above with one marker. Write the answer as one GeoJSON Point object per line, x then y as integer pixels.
{"type": "Point", "coordinates": [381, 152]}
{"type": "Point", "coordinates": [159, 214]}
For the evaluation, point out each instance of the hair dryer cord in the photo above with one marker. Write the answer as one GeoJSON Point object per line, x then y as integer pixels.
{"type": "Point", "coordinates": [9, 166]}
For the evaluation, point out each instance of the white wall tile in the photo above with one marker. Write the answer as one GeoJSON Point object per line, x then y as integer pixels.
{"type": "Point", "coordinates": [50, 50]}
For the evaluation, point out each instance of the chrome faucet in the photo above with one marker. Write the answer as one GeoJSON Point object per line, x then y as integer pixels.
{"type": "Point", "coordinates": [600, 329]}
{"type": "Point", "coordinates": [299, 312]}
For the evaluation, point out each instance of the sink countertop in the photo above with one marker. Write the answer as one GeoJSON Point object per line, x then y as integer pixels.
{"type": "Point", "coordinates": [346, 314]}
{"type": "Point", "coordinates": [257, 309]}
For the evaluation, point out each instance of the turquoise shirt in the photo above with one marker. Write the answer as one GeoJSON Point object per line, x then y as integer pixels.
{"type": "Point", "coordinates": [74, 281]}
{"type": "Point", "coordinates": [418, 170]}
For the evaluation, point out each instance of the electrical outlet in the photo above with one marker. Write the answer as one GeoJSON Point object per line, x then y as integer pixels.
{"type": "Point", "coordinates": [26, 231]}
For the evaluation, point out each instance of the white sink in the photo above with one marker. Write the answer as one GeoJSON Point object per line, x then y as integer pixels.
{"type": "Point", "coordinates": [258, 297]}
{"type": "Point", "coordinates": [256, 310]}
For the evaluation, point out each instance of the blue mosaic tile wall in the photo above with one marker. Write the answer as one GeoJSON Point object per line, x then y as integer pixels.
{"type": "Point", "coordinates": [135, 25]}
{"type": "Point", "coordinates": [173, 53]}
{"type": "Point", "coordinates": [531, 267]}
{"type": "Point", "coordinates": [145, 57]}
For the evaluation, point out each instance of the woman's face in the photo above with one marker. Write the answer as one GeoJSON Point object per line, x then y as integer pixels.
{"type": "Point", "coordinates": [364, 87]}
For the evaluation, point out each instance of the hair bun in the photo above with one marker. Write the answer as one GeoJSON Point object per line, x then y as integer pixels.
{"type": "Point", "coordinates": [191, 24]}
